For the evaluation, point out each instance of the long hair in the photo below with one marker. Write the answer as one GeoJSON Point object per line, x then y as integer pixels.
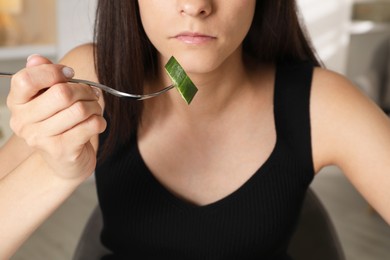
{"type": "Point", "coordinates": [124, 56]}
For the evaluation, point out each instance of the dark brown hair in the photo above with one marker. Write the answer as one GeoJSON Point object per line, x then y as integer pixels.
{"type": "Point", "coordinates": [124, 56]}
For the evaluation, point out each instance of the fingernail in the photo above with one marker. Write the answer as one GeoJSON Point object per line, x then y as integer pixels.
{"type": "Point", "coordinates": [32, 55]}
{"type": "Point", "coordinates": [68, 72]}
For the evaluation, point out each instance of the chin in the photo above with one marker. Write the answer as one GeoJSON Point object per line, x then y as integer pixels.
{"type": "Point", "coordinates": [198, 64]}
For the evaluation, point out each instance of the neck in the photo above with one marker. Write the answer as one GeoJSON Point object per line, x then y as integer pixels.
{"type": "Point", "coordinates": [218, 90]}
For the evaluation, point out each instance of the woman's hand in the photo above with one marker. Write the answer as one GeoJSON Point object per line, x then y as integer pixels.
{"type": "Point", "coordinates": [56, 118]}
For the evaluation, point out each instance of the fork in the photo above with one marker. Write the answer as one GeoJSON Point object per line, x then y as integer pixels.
{"type": "Point", "coordinates": [108, 89]}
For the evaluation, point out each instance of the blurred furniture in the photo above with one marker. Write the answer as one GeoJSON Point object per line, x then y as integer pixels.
{"type": "Point", "coordinates": [89, 246]}
{"type": "Point", "coordinates": [369, 61]}
{"type": "Point", "coordinates": [9, 29]}
{"type": "Point", "coordinates": [48, 27]}
{"type": "Point", "coordinates": [368, 64]}
{"type": "Point", "coordinates": [315, 237]}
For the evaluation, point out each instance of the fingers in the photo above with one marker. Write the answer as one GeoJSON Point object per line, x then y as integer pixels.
{"type": "Point", "coordinates": [71, 154]}
{"type": "Point", "coordinates": [44, 105]}
{"type": "Point", "coordinates": [36, 59]}
{"type": "Point", "coordinates": [53, 101]}
{"type": "Point", "coordinates": [83, 132]}
{"type": "Point", "coordinates": [56, 118]}
{"type": "Point", "coordinates": [56, 111]}
{"type": "Point", "coordinates": [62, 135]}
{"type": "Point", "coordinates": [61, 122]}
{"type": "Point", "coordinates": [29, 82]}
{"type": "Point", "coordinates": [67, 144]}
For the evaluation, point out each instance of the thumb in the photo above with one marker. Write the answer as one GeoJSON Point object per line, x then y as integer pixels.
{"type": "Point", "coordinates": [36, 59]}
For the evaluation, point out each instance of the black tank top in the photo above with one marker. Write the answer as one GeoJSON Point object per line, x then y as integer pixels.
{"type": "Point", "coordinates": [143, 220]}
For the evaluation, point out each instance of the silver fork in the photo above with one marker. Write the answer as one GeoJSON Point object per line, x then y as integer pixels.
{"type": "Point", "coordinates": [108, 89]}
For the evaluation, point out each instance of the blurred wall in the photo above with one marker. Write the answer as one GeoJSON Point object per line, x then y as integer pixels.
{"type": "Point", "coordinates": [328, 24]}
{"type": "Point", "coordinates": [75, 20]}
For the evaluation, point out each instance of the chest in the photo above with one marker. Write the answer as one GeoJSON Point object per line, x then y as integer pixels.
{"type": "Point", "coordinates": [251, 222]}
{"type": "Point", "coordinates": [250, 217]}
{"type": "Point", "coordinates": [204, 166]}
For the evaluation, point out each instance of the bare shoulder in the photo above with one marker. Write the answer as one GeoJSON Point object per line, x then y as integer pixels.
{"type": "Point", "coordinates": [333, 93]}
{"type": "Point", "coordinates": [351, 131]}
{"type": "Point", "coordinates": [327, 83]}
{"type": "Point", "coordinates": [81, 59]}
{"type": "Point", "coordinates": [343, 118]}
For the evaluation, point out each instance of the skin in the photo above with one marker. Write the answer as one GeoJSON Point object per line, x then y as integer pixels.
{"type": "Point", "coordinates": [230, 121]}
{"type": "Point", "coordinates": [44, 161]}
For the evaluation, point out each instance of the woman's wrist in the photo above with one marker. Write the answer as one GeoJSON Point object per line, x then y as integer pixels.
{"type": "Point", "coordinates": [62, 174]}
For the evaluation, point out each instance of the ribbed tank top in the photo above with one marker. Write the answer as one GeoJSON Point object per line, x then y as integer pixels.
{"type": "Point", "coordinates": [143, 220]}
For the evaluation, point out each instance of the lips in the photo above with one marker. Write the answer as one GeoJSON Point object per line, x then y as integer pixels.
{"type": "Point", "coordinates": [194, 38]}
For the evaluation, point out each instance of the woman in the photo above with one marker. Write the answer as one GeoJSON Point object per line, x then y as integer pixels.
{"type": "Point", "coordinates": [223, 178]}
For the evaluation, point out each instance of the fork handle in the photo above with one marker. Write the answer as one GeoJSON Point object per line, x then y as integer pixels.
{"type": "Point", "coordinates": [6, 75]}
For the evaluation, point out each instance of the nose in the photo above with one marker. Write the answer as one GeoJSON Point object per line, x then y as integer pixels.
{"type": "Point", "coordinates": [196, 8]}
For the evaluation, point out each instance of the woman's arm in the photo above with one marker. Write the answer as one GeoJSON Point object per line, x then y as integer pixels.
{"type": "Point", "coordinates": [28, 195]}
{"type": "Point", "coordinates": [352, 132]}
{"type": "Point", "coordinates": [12, 153]}
{"type": "Point", "coordinates": [56, 126]}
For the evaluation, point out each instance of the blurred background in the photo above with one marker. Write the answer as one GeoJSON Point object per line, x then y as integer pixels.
{"type": "Point", "coordinates": [352, 37]}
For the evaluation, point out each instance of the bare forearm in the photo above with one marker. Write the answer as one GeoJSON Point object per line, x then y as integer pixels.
{"type": "Point", "coordinates": [56, 125]}
{"type": "Point", "coordinates": [12, 153]}
{"type": "Point", "coordinates": [28, 195]}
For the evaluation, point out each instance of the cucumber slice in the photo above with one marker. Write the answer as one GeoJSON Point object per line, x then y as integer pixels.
{"type": "Point", "coordinates": [180, 80]}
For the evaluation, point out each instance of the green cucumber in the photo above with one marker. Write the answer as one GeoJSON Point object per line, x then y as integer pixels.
{"type": "Point", "coordinates": [180, 80]}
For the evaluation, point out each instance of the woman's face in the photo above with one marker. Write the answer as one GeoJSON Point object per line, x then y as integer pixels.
{"type": "Point", "coordinates": [201, 34]}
